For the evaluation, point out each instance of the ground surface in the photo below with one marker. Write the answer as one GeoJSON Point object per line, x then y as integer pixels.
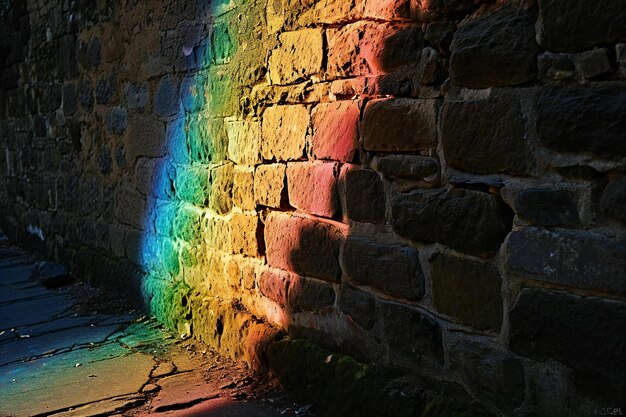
{"type": "Point", "coordinates": [60, 356]}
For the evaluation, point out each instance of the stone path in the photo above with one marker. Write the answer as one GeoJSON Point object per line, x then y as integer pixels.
{"type": "Point", "coordinates": [56, 359]}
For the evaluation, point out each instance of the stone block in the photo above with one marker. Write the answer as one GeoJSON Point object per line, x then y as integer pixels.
{"type": "Point", "coordinates": [582, 119]}
{"type": "Point", "coordinates": [299, 56]}
{"type": "Point", "coordinates": [365, 195]}
{"type": "Point", "coordinates": [335, 130]}
{"type": "Point", "coordinates": [85, 94]}
{"type": "Point", "coordinates": [494, 49]}
{"type": "Point", "coordinates": [273, 284]}
{"type": "Point", "coordinates": [312, 187]}
{"type": "Point", "coordinates": [613, 202]}
{"type": "Point", "coordinates": [106, 89]}
{"type": "Point", "coordinates": [487, 136]}
{"type": "Point", "coordinates": [564, 27]}
{"type": "Point", "coordinates": [410, 333]}
{"type": "Point", "coordinates": [284, 131]}
{"type": "Point", "coordinates": [593, 63]}
{"type": "Point", "coordinates": [245, 234]}
{"type": "Point", "coordinates": [145, 137]}
{"type": "Point", "coordinates": [192, 185]}
{"type": "Point", "coordinates": [303, 245]}
{"type": "Point", "coordinates": [166, 99]}
{"type": "Point", "coordinates": [437, 9]}
{"type": "Point", "coordinates": [137, 96]}
{"type": "Point", "coordinates": [192, 93]}
{"type": "Point", "coordinates": [409, 166]}
{"type": "Point", "coordinates": [467, 290]}
{"type": "Point", "coordinates": [469, 221]}
{"type": "Point", "coordinates": [269, 185]}
{"type": "Point", "coordinates": [359, 305]}
{"type": "Point", "coordinates": [130, 207]}
{"type": "Point", "coordinates": [244, 141]}
{"type": "Point", "coordinates": [207, 140]}
{"type": "Point", "coordinates": [587, 334]}
{"type": "Point", "coordinates": [117, 120]}
{"type": "Point", "coordinates": [221, 187]}
{"type": "Point", "coordinates": [308, 294]}
{"type": "Point", "coordinates": [567, 257]}
{"type": "Point", "coordinates": [555, 66]}
{"type": "Point", "coordinates": [400, 124]}
{"type": "Point", "coordinates": [70, 99]}
{"type": "Point", "coordinates": [393, 269]}
{"type": "Point", "coordinates": [546, 207]}
{"type": "Point", "coordinates": [243, 188]}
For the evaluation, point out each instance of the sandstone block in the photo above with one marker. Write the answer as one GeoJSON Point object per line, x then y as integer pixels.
{"type": "Point", "coordinates": [273, 283]}
{"type": "Point", "coordinates": [312, 187]}
{"type": "Point", "coordinates": [192, 184]}
{"type": "Point", "coordinates": [365, 195]}
{"type": "Point", "coordinates": [245, 234]}
{"type": "Point", "coordinates": [299, 56]}
{"type": "Point", "coordinates": [411, 166]}
{"type": "Point", "coordinates": [243, 188]}
{"type": "Point", "coordinates": [145, 137]}
{"type": "Point", "coordinates": [359, 305]}
{"type": "Point", "coordinates": [335, 130]}
{"type": "Point", "coordinates": [167, 99]}
{"type": "Point", "coordinates": [221, 187]}
{"type": "Point", "coordinates": [307, 294]}
{"type": "Point", "coordinates": [269, 185]}
{"type": "Point", "coordinates": [244, 141]}
{"type": "Point", "coordinates": [399, 124]}
{"type": "Point", "coordinates": [284, 131]}
{"type": "Point", "coordinates": [469, 221]}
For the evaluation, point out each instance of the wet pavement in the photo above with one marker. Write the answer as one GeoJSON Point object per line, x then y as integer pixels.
{"type": "Point", "coordinates": [62, 359]}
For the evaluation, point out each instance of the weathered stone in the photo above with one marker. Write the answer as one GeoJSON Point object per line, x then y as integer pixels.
{"type": "Point", "coordinates": [269, 185]}
{"type": "Point", "coordinates": [365, 195]}
{"type": "Point", "coordinates": [614, 199]}
{"type": "Point", "coordinates": [85, 94]}
{"type": "Point", "coordinates": [70, 99]}
{"type": "Point", "coordinates": [593, 63]}
{"type": "Point", "coordinates": [307, 294]}
{"type": "Point", "coordinates": [245, 234]}
{"type": "Point", "coordinates": [106, 88]}
{"type": "Point", "coordinates": [359, 305]}
{"type": "Point", "coordinates": [192, 185]}
{"type": "Point", "coordinates": [436, 9]}
{"type": "Point", "coordinates": [483, 364]}
{"type": "Point", "coordinates": [146, 137]}
{"type": "Point", "coordinates": [117, 120]}
{"type": "Point", "coordinates": [399, 125]}
{"type": "Point", "coordinates": [284, 131]}
{"type": "Point", "coordinates": [412, 166]}
{"type": "Point", "coordinates": [243, 188]}
{"type": "Point", "coordinates": [136, 96]}
{"type": "Point", "coordinates": [468, 291]}
{"type": "Point", "coordinates": [546, 207]}
{"type": "Point", "coordinates": [299, 56]}
{"type": "Point", "coordinates": [411, 333]}
{"type": "Point", "coordinates": [565, 27]}
{"type": "Point", "coordinates": [335, 132]}
{"type": "Point", "coordinates": [207, 140]}
{"type": "Point", "coordinates": [566, 257]}
{"type": "Point", "coordinates": [167, 99]}
{"type": "Point", "coordinates": [312, 187]}
{"type": "Point", "coordinates": [130, 207]}
{"type": "Point", "coordinates": [192, 93]}
{"type": "Point", "coordinates": [487, 136]}
{"type": "Point", "coordinates": [431, 67]}
{"type": "Point", "coordinates": [244, 141]}
{"type": "Point", "coordinates": [469, 221]}
{"type": "Point", "coordinates": [368, 48]}
{"type": "Point", "coordinates": [89, 54]}
{"type": "Point", "coordinates": [494, 50]}
{"type": "Point", "coordinates": [66, 56]}
{"type": "Point", "coordinates": [393, 269]}
{"type": "Point", "coordinates": [302, 245]}
{"type": "Point", "coordinates": [221, 187]}
{"type": "Point", "coordinates": [549, 324]}
{"type": "Point", "coordinates": [582, 120]}
{"type": "Point", "coordinates": [273, 284]}
{"type": "Point", "coordinates": [555, 66]}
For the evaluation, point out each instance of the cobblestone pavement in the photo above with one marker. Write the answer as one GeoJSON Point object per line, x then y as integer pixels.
{"type": "Point", "coordinates": [59, 357]}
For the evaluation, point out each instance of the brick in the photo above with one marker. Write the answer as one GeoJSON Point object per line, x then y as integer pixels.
{"type": "Point", "coordinates": [244, 141]}
{"type": "Point", "coordinates": [365, 195]}
{"type": "Point", "coordinates": [411, 333]}
{"type": "Point", "coordinates": [467, 290]}
{"type": "Point", "coordinates": [494, 49]}
{"type": "Point", "coordinates": [359, 305]}
{"type": "Point", "coordinates": [245, 234]}
{"type": "Point", "coordinates": [567, 257]}
{"type": "Point", "coordinates": [549, 324]}
{"type": "Point", "coordinates": [469, 221]}
{"type": "Point", "coordinates": [312, 187]}
{"type": "Point", "coordinates": [393, 269]}
{"type": "Point", "coordinates": [487, 136]}
{"type": "Point", "coordinates": [367, 48]}
{"type": "Point", "coordinates": [546, 207]}
{"type": "Point", "coordinates": [560, 126]}
{"type": "Point", "coordinates": [299, 56]}
{"type": "Point", "coordinates": [335, 130]}
{"type": "Point", "coordinates": [399, 124]}
{"type": "Point", "coordinates": [410, 166]}
{"type": "Point", "coordinates": [302, 245]}
{"type": "Point", "coordinates": [284, 131]}
{"type": "Point", "coordinates": [243, 188]}
{"type": "Point", "coordinates": [564, 27]}
{"type": "Point", "coordinates": [269, 185]}
{"type": "Point", "coordinates": [145, 137]}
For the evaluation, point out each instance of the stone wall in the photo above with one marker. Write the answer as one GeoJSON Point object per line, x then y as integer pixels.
{"type": "Point", "coordinates": [431, 185]}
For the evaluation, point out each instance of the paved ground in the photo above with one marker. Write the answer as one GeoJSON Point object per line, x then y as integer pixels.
{"type": "Point", "coordinates": [60, 358]}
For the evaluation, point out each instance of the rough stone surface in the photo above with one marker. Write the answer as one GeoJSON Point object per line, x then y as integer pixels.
{"type": "Point", "coordinates": [487, 136]}
{"type": "Point", "coordinates": [469, 221]}
{"type": "Point", "coordinates": [312, 187]}
{"type": "Point", "coordinates": [570, 258]}
{"type": "Point", "coordinates": [614, 199]}
{"type": "Point", "coordinates": [393, 269]}
{"type": "Point", "coordinates": [468, 291]}
{"type": "Point", "coordinates": [299, 56]}
{"type": "Point", "coordinates": [495, 49]}
{"type": "Point", "coordinates": [412, 166]}
{"type": "Point", "coordinates": [284, 132]}
{"type": "Point", "coordinates": [335, 133]}
{"type": "Point", "coordinates": [546, 207]}
{"type": "Point", "coordinates": [365, 196]}
{"type": "Point", "coordinates": [399, 125]}
{"type": "Point", "coordinates": [269, 185]}
{"type": "Point", "coordinates": [359, 305]}
{"type": "Point", "coordinates": [548, 324]}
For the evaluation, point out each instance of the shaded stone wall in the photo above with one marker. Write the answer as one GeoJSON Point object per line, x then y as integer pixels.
{"type": "Point", "coordinates": [431, 185]}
